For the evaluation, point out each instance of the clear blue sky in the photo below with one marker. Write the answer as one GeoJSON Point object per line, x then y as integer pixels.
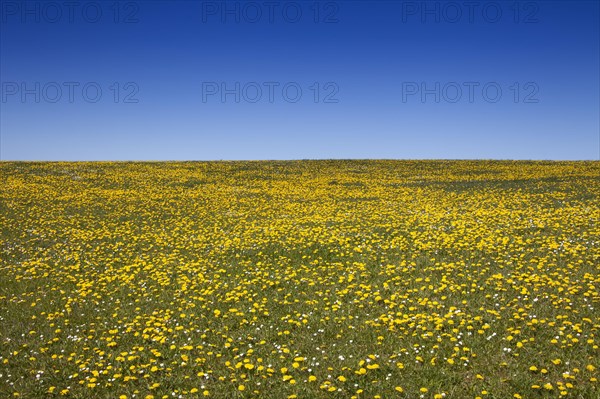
{"type": "Point", "coordinates": [200, 80]}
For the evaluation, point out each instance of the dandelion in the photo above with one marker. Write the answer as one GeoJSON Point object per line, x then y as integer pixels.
{"type": "Point", "coordinates": [590, 368]}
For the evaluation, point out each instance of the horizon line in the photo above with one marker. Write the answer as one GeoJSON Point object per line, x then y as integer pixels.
{"type": "Point", "coordinates": [292, 160]}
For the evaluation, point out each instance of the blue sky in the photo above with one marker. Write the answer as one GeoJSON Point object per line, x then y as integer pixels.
{"type": "Point", "coordinates": [210, 80]}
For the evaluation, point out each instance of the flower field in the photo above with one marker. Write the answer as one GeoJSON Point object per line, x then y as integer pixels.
{"type": "Point", "coordinates": [300, 279]}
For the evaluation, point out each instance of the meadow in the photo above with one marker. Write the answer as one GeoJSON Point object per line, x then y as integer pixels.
{"type": "Point", "coordinates": [300, 279]}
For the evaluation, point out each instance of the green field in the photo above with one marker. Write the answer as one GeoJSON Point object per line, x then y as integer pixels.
{"type": "Point", "coordinates": [300, 279]}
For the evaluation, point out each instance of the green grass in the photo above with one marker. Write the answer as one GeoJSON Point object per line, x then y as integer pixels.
{"type": "Point", "coordinates": [465, 278]}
